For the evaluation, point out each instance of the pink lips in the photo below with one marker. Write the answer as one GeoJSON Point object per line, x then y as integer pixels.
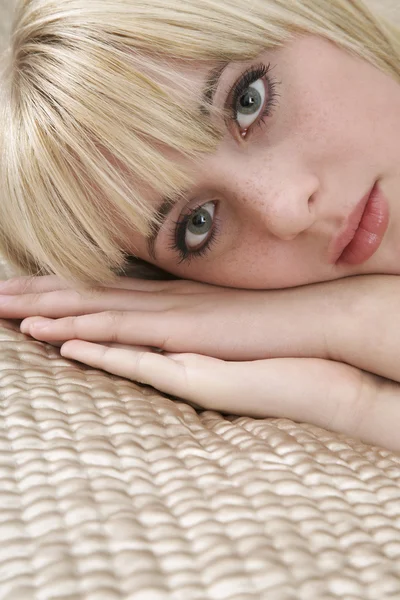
{"type": "Point", "coordinates": [364, 231]}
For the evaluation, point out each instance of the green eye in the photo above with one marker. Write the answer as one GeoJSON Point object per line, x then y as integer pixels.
{"type": "Point", "coordinates": [251, 104]}
{"type": "Point", "coordinates": [199, 225]}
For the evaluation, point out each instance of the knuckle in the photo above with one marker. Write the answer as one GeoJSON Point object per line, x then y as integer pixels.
{"type": "Point", "coordinates": [163, 343]}
{"type": "Point", "coordinates": [363, 402]}
{"type": "Point", "coordinates": [45, 303]}
{"type": "Point", "coordinates": [140, 367]}
{"type": "Point", "coordinates": [115, 320]}
{"type": "Point", "coordinates": [76, 297]}
{"type": "Point", "coordinates": [352, 407]}
{"type": "Point", "coordinates": [106, 353]}
{"type": "Point", "coordinates": [161, 328]}
{"type": "Point", "coordinates": [113, 316]}
{"type": "Point", "coordinates": [67, 327]}
{"type": "Point", "coordinates": [36, 299]}
{"type": "Point", "coordinates": [73, 325]}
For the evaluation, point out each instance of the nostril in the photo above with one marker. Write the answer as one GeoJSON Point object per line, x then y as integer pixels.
{"type": "Point", "coordinates": [311, 202]}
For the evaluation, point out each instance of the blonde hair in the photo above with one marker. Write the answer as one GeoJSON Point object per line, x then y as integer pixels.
{"type": "Point", "coordinates": [84, 113]}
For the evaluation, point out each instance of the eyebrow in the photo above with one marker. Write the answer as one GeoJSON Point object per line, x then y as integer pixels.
{"type": "Point", "coordinates": [167, 204]}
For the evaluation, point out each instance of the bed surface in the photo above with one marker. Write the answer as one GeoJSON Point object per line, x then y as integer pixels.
{"type": "Point", "coordinates": [109, 491]}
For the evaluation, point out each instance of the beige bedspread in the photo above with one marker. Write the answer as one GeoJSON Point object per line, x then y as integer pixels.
{"type": "Point", "coordinates": [110, 491]}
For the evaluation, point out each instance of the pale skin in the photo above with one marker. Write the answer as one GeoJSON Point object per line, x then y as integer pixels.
{"type": "Point", "coordinates": [324, 351]}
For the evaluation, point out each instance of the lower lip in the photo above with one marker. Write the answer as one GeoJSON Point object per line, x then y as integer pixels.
{"type": "Point", "coordinates": [370, 232]}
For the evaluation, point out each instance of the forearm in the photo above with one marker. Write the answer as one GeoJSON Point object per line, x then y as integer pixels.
{"type": "Point", "coordinates": [364, 329]}
{"type": "Point", "coordinates": [353, 320]}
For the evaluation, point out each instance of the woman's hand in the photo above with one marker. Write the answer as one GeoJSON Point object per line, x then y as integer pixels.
{"type": "Point", "coordinates": [325, 393]}
{"type": "Point", "coordinates": [354, 320]}
{"type": "Point", "coordinates": [314, 320]}
{"type": "Point", "coordinates": [176, 316]}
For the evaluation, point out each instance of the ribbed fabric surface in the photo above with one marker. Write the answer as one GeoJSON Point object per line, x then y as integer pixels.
{"type": "Point", "coordinates": [110, 491]}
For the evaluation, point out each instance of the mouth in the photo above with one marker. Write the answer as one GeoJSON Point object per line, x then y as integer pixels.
{"type": "Point", "coordinates": [364, 230]}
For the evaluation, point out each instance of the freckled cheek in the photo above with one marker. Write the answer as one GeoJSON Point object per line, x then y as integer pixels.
{"type": "Point", "coordinates": [263, 264]}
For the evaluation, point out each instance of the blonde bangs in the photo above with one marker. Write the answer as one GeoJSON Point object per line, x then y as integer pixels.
{"type": "Point", "coordinates": [87, 119]}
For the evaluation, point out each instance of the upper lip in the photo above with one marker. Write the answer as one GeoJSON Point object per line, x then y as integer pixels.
{"type": "Point", "coordinates": [349, 229]}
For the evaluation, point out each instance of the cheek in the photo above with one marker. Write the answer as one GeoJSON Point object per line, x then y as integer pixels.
{"type": "Point", "coordinates": [255, 265]}
{"type": "Point", "coordinates": [318, 123]}
{"type": "Point", "coordinates": [322, 91]}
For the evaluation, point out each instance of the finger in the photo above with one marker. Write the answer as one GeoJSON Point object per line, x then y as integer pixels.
{"type": "Point", "coordinates": [208, 382]}
{"type": "Point", "coordinates": [59, 304]}
{"type": "Point", "coordinates": [133, 348]}
{"type": "Point", "coordinates": [32, 284]}
{"type": "Point", "coordinates": [51, 283]}
{"type": "Point", "coordinates": [25, 329]}
{"type": "Point", "coordinates": [175, 286]}
{"type": "Point", "coordinates": [192, 377]}
{"type": "Point", "coordinates": [285, 388]}
{"type": "Point", "coordinates": [330, 395]}
{"type": "Point", "coordinates": [139, 365]}
{"type": "Point", "coordinates": [140, 328]}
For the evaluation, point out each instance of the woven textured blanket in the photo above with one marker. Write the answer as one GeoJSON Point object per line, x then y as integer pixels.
{"type": "Point", "coordinates": [111, 491]}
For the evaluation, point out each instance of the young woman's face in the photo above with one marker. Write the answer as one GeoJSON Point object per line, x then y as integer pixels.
{"type": "Point", "coordinates": [290, 184]}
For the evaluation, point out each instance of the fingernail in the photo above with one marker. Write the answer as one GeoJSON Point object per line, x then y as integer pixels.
{"type": "Point", "coordinates": [29, 322]}
{"type": "Point", "coordinates": [24, 327]}
{"type": "Point", "coordinates": [40, 325]}
{"type": "Point", "coordinates": [36, 327]}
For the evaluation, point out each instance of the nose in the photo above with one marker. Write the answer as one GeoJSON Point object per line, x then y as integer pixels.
{"type": "Point", "coordinates": [284, 204]}
{"type": "Point", "coordinates": [278, 195]}
{"type": "Point", "coordinates": [288, 208]}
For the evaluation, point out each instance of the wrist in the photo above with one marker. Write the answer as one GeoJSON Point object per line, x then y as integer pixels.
{"type": "Point", "coordinates": [362, 330]}
{"type": "Point", "coordinates": [301, 321]}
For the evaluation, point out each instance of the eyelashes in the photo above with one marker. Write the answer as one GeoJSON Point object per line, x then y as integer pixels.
{"type": "Point", "coordinates": [256, 84]}
{"type": "Point", "coordinates": [179, 233]}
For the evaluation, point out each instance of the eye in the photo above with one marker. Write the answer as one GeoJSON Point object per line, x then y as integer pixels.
{"type": "Point", "coordinates": [251, 104]}
{"type": "Point", "coordinates": [252, 98]}
{"type": "Point", "coordinates": [195, 232]}
{"type": "Point", "coordinates": [199, 226]}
